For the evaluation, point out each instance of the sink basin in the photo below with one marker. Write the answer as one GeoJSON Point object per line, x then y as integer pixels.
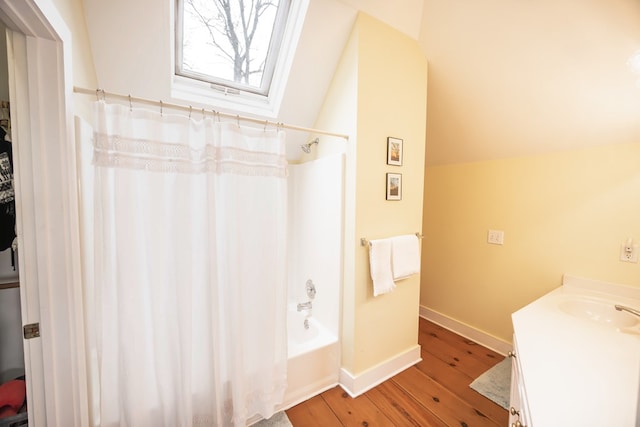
{"type": "Point", "coordinates": [601, 312]}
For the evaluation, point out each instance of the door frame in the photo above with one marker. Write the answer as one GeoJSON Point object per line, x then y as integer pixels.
{"type": "Point", "coordinates": [39, 48]}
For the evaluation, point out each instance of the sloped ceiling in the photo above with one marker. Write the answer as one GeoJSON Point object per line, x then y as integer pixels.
{"type": "Point", "coordinates": [520, 78]}
{"type": "Point", "coordinates": [326, 30]}
{"type": "Point", "coordinates": [507, 78]}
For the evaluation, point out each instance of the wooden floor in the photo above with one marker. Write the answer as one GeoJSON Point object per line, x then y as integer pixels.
{"type": "Point", "coordinates": [435, 392]}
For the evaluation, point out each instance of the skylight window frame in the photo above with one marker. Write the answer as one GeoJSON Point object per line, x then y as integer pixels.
{"type": "Point", "coordinates": [222, 94]}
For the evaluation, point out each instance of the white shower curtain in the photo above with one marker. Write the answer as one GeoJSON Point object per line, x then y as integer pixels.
{"type": "Point", "coordinates": [184, 256]}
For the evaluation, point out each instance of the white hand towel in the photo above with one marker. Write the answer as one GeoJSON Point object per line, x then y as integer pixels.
{"type": "Point", "coordinates": [405, 256]}
{"type": "Point", "coordinates": [380, 266]}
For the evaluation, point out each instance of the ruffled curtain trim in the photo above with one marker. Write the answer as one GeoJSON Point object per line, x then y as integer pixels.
{"type": "Point", "coordinates": [154, 156]}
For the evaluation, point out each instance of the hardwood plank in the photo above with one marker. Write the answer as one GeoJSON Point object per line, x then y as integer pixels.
{"type": "Point", "coordinates": [457, 382]}
{"type": "Point", "coordinates": [454, 354]}
{"type": "Point", "coordinates": [356, 412]}
{"type": "Point", "coordinates": [313, 413]}
{"type": "Point", "coordinates": [479, 352]}
{"type": "Point", "coordinates": [435, 392]}
{"type": "Point", "coordinates": [400, 408]}
{"type": "Point", "coordinates": [444, 404]}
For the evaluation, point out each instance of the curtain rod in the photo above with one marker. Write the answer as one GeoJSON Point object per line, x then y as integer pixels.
{"type": "Point", "coordinates": [101, 93]}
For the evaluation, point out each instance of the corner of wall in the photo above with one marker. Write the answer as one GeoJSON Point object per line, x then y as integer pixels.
{"type": "Point", "coordinates": [392, 74]}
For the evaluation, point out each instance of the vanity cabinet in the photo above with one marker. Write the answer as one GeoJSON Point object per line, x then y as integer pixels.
{"type": "Point", "coordinates": [518, 406]}
{"type": "Point", "coordinates": [576, 359]}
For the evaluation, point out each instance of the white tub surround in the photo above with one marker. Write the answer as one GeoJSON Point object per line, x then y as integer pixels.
{"type": "Point", "coordinates": [316, 193]}
{"type": "Point", "coordinates": [311, 373]}
{"type": "Point", "coordinates": [579, 357]}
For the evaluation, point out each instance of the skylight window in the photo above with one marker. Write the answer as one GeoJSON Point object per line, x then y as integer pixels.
{"type": "Point", "coordinates": [237, 47]}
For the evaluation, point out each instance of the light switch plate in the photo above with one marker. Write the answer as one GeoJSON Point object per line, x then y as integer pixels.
{"type": "Point", "coordinates": [495, 237]}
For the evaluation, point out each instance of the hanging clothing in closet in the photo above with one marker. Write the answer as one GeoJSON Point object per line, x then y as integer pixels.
{"type": "Point", "coordinates": [7, 194]}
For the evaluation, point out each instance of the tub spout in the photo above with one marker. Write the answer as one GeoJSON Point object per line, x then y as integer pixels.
{"type": "Point", "coordinates": [305, 306]}
{"type": "Point", "coordinates": [627, 309]}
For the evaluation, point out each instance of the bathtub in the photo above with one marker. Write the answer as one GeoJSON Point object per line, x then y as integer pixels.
{"type": "Point", "coordinates": [313, 358]}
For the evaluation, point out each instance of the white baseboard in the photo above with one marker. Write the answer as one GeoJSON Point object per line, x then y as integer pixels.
{"type": "Point", "coordinates": [356, 385]}
{"type": "Point", "coordinates": [469, 332]}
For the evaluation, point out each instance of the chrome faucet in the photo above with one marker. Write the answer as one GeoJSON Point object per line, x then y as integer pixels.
{"type": "Point", "coordinates": [304, 306]}
{"type": "Point", "coordinates": [627, 309]}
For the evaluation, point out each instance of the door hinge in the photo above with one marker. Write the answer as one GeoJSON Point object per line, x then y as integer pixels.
{"type": "Point", "coordinates": [31, 330]}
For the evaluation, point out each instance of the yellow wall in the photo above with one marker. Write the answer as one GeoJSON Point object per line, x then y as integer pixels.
{"type": "Point", "coordinates": [392, 94]}
{"type": "Point", "coordinates": [565, 212]}
{"type": "Point", "coordinates": [390, 75]}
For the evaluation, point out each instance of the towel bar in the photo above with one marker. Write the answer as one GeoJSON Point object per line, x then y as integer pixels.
{"type": "Point", "coordinates": [364, 241]}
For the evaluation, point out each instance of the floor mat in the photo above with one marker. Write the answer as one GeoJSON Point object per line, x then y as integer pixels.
{"type": "Point", "coordinates": [495, 384]}
{"type": "Point", "coordinates": [279, 419]}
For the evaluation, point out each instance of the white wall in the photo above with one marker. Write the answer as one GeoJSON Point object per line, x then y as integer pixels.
{"type": "Point", "coordinates": [339, 113]}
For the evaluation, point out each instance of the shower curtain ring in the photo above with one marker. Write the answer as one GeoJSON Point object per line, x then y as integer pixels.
{"type": "Point", "coordinates": [190, 109]}
{"type": "Point", "coordinates": [203, 114]}
{"type": "Point", "coordinates": [130, 105]}
{"type": "Point", "coordinates": [238, 119]}
{"type": "Point", "coordinates": [161, 107]}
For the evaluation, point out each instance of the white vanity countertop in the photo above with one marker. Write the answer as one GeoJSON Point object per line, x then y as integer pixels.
{"type": "Point", "coordinates": [577, 371]}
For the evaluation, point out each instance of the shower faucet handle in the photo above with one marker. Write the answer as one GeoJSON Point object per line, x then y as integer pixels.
{"type": "Point", "coordinates": [311, 289]}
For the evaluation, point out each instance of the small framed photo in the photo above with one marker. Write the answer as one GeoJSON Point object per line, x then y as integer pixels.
{"type": "Point", "coordinates": [394, 186]}
{"type": "Point", "coordinates": [394, 151]}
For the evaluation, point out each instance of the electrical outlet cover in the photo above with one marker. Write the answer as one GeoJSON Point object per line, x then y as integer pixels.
{"type": "Point", "coordinates": [629, 257]}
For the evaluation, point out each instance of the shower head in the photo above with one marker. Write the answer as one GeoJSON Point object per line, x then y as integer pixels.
{"type": "Point", "coordinates": [307, 147]}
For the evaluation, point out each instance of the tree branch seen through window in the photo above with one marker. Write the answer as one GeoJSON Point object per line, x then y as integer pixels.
{"type": "Point", "coordinates": [234, 41]}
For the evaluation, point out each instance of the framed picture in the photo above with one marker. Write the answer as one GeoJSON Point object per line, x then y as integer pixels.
{"type": "Point", "coordinates": [394, 186]}
{"type": "Point", "coordinates": [394, 151]}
